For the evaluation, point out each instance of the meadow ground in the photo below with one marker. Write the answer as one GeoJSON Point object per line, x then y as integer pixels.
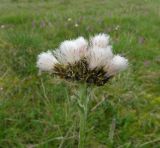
{"type": "Point", "coordinates": [36, 111]}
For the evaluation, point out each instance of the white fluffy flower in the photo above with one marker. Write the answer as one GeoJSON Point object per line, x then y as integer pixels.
{"type": "Point", "coordinates": [98, 57]}
{"type": "Point", "coordinates": [81, 46]}
{"type": "Point", "coordinates": [93, 64]}
{"type": "Point", "coordinates": [46, 61]}
{"type": "Point", "coordinates": [116, 65]}
{"type": "Point", "coordinates": [71, 51]}
{"type": "Point", "coordinates": [100, 40]}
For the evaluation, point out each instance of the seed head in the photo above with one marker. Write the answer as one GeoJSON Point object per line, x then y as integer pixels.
{"type": "Point", "coordinates": [74, 60]}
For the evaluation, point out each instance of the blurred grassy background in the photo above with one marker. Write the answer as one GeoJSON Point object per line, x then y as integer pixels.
{"type": "Point", "coordinates": [35, 111]}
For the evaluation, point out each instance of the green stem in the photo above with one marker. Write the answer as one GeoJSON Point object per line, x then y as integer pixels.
{"type": "Point", "coordinates": [83, 109]}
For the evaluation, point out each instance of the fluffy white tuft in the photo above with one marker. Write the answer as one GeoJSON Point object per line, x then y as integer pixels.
{"type": "Point", "coordinates": [98, 57]}
{"type": "Point", "coordinates": [46, 61]}
{"type": "Point", "coordinates": [100, 40]}
{"type": "Point", "coordinates": [81, 44]}
{"type": "Point", "coordinates": [117, 64]}
{"type": "Point", "coordinates": [71, 51]}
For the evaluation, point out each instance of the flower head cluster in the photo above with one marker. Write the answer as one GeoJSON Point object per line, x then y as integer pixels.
{"type": "Point", "coordinates": [92, 62]}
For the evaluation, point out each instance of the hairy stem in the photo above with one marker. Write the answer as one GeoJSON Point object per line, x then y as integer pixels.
{"type": "Point", "coordinates": [83, 109]}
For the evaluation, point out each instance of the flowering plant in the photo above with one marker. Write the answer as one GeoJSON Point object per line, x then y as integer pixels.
{"type": "Point", "coordinates": [90, 63]}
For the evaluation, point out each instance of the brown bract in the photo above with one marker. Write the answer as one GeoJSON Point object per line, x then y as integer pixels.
{"type": "Point", "coordinates": [79, 71]}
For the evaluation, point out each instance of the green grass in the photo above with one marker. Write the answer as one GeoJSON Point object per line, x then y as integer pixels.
{"type": "Point", "coordinates": [36, 111]}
